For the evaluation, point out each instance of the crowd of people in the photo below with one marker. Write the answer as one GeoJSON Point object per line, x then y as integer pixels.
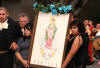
{"type": "Point", "coordinates": [15, 41]}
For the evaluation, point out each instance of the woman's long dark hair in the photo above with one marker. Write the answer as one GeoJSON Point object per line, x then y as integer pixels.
{"type": "Point", "coordinates": [79, 24]}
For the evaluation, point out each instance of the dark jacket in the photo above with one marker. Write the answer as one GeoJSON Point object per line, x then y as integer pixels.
{"type": "Point", "coordinates": [7, 36]}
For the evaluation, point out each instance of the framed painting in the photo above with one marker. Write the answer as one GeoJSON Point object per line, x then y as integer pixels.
{"type": "Point", "coordinates": [48, 40]}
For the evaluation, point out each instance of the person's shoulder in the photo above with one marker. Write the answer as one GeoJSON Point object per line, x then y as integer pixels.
{"type": "Point", "coordinates": [78, 37]}
{"type": "Point", "coordinates": [11, 21]}
{"type": "Point", "coordinates": [20, 39]}
{"type": "Point", "coordinates": [85, 37]}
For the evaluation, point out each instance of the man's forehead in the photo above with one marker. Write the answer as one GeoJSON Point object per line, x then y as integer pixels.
{"type": "Point", "coordinates": [86, 21]}
{"type": "Point", "coordinates": [3, 9]}
{"type": "Point", "coordinates": [24, 17]}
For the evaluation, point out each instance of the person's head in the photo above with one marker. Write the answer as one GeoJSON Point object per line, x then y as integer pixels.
{"type": "Point", "coordinates": [86, 23]}
{"type": "Point", "coordinates": [98, 26]}
{"type": "Point", "coordinates": [23, 19]}
{"type": "Point", "coordinates": [3, 14]}
{"type": "Point", "coordinates": [77, 27]}
{"type": "Point", "coordinates": [90, 23]}
{"type": "Point", "coordinates": [28, 29]}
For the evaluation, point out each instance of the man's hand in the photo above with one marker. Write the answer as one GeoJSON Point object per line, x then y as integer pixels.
{"type": "Point", "coordinates": [13, 46]}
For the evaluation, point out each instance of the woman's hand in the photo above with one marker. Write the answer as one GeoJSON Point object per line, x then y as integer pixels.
{"type": "Point", "coordinates": [25, 63]}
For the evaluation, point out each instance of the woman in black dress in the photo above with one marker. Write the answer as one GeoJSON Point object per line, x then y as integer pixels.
{"type": "Point", "coordinates": [76, 46]}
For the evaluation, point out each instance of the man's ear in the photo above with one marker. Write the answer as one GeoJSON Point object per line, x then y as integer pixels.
{"type": "Point", "coordinates": [7, 13]}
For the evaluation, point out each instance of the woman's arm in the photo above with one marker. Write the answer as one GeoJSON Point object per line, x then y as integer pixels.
{"type": "Point", "coordinates": [75, 46]}
{"type": "Point", "coordinates": [19, 57]}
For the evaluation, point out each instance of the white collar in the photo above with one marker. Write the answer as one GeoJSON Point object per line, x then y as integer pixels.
{"type": "Point", "coordinates": [4, 25]}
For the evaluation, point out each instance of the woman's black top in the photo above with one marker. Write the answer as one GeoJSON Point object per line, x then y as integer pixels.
{"type": "Point", "coordinates": [77, 60]}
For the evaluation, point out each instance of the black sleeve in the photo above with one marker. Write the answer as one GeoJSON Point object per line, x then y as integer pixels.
{"type": "Point", "coordinates": [18, 32]}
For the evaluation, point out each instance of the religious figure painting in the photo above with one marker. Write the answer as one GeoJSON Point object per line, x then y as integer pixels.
{"type": "Point", "coordinates": [48, 40]}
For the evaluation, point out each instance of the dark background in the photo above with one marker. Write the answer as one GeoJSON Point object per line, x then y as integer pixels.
{"type": "Point", "coordinates": [90, 11]}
